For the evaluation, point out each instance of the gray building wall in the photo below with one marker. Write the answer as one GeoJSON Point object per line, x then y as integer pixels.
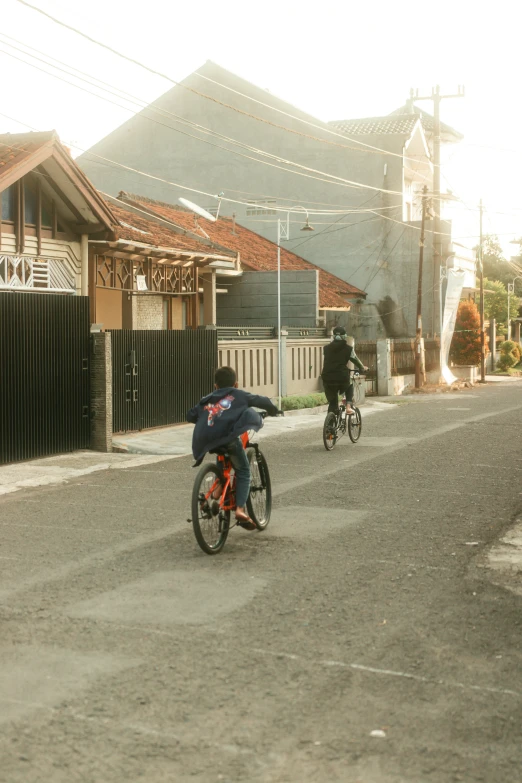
{"type": "Point", "coordinates": [369, 251]}
{"type": "Point", "coordinates": [252, 300]}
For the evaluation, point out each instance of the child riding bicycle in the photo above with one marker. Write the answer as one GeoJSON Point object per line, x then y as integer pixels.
{"type": "Point", "coordinates": [221, 418]}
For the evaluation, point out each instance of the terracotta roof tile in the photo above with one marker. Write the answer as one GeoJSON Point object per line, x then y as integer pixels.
{"type": "Point", "coordinates": [140, 229]}
{"type": "Point", "coordinates": [256, 252]}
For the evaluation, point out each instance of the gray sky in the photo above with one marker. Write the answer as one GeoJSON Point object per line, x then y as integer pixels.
{"type": "Point", "coordinates": [335, 59]}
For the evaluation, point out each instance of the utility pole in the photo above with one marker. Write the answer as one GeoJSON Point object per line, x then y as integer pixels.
{"type": "Point", "coordinates": [436, 97]}
{"type": "Point", "coordinates": [418, 339]}
{"type": "Point", "coordinates": [482, 333]}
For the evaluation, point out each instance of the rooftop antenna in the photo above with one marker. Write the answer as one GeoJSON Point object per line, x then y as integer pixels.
{"type": "Point", "coordinates": [198, 211]}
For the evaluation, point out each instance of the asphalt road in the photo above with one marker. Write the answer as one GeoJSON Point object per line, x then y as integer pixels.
{"type": "Point", "coordinates": [126, 654]}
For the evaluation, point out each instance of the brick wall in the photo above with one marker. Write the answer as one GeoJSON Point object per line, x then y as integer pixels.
{"type": "Point", "coordinates": [101, 392]}
{"type": "Point", "coordinates": [149, 312]}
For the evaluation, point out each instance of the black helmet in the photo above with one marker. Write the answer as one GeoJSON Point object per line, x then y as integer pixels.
{"type": "Point", "coordinates": [339, 333]}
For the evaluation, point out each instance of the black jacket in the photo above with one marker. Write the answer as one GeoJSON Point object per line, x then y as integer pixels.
{"type": "Point", "coordinates": [336, 356]}
{"type": "Point", "coordinates": [224, 415]}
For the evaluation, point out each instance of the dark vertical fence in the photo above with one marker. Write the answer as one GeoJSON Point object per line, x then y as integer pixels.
{"type": "Point", "coordinates": [44, 375]}
{"type": "Point", "coordinates": [159, 375]}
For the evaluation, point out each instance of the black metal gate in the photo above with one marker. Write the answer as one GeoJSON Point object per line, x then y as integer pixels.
{"type": "Point", "coordinates": [44, 375]}
{"type": "Point", "coordinates": [158, 375]}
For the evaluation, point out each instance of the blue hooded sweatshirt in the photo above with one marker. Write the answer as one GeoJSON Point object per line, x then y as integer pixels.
{"type": "Point", "coordinates": [224, 415]}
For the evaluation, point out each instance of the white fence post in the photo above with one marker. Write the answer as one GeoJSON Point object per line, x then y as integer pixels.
{"type": "Point", "coordinates": [384, 369]}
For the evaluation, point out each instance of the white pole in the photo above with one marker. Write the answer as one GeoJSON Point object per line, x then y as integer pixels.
{"type": "Point", "coordinates": [508, 319]}
{"type": "Point", "coordinates": [280, 370]}
{"type": "Point", "coordinates": [440, 322]}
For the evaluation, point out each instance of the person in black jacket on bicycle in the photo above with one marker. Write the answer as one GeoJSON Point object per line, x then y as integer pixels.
{"type": "Point", "coordinates": [336, 375]}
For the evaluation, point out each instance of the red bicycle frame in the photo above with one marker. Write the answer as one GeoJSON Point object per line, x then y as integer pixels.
{"type": "Point", "coordinates": [230, 481]}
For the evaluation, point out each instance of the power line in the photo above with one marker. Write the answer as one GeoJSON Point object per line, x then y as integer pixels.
{"type": "Point", "coordinates": [368, 147]}
{"type": "Point", "coordinates": [334, 180]}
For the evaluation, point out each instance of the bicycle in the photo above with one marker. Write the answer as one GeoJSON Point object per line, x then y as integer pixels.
{"type": "Point", "coordinates": [211, 515]}
{"type": "Point", "coordinates": [337, 424]}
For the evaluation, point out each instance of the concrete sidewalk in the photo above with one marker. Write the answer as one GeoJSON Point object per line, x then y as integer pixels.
{"type": "Point", "coordinates": [141, 448]}
{"type": "Point", "coordinates": [177, 440]}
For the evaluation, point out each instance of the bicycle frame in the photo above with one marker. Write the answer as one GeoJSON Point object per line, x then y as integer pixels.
{"type": "Point", "coordinates": [229, 488]}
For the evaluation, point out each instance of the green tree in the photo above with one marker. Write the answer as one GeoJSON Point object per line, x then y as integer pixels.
{"type": "Point", "coordinates": [496, 266]}
{"type": "Point", "coordinates": [496, 303]}
{"type": "Point", "coordinates": [466, 345]}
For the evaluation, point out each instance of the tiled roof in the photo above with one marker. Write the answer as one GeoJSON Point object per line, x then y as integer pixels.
{"type": "Point", "coordinates": [133, 227]}
{"type": "Point", "coordinates": [256, 252]}
{"type": "Point", "coordinates": [377, 125]}
{"type": "Point", "coordinates": [17, 147]}
{"type": "Point", "coordinates": [400, 121]}
{"type": "Point", "coordinates": [427, 120]}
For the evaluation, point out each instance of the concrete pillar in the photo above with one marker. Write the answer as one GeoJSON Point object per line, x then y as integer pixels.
{"type": "Point", "coordinates": [284, 361]}
{"type": "Point", "coordinates": [384, 374]}
{"type": "Point", "coordinates": [101, 392]}
{"type": "Point", "coordinates": [209, 299]}
{"type": "Point", "coordinates": [516, 331]}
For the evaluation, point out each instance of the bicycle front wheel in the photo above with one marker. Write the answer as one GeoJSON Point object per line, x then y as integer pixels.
{"type": "Point", "coordinates": [357, 393]}
{"type": "Point", "coordinates": [259, 503]}
{"type": "Point", "coordinates": [330, 431]}
{"type": "Point", "coordinates": [211, 524]}
{"type": "Point", "coordinates": [355, 425]}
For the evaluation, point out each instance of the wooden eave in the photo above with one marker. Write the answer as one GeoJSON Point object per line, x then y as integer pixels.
{"type": "Point", "coordinates": [122, 248]}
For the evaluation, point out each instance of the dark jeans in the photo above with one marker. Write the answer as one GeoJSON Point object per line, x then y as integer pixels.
{"type": "Point", "coordinates": [331, 391]}
{"type": "Point", "coordinates": [239, 460]}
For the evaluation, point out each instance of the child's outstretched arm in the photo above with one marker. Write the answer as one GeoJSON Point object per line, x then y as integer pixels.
{"type": "Point", "coordinates": [265, 403]}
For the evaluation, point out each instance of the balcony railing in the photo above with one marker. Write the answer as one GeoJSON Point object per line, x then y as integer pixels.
{"type": "Point", "coordinates": [28, 273]}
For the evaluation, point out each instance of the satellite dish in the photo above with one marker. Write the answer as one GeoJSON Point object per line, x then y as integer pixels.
{"type": "Point", "coordinates": [197, 209]}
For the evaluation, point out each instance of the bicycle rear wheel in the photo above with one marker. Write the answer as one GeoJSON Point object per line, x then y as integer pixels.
{"type": "Point", "coordinates": [259, 503]}
{"type": "Point", "coordinates": [211, 525]}
{"type": "Point", "coordinates": [330, 431]}
{"type": "Point", "coordinates": [355, 425]}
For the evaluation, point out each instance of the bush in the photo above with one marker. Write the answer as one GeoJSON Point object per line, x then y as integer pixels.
{"type": "Point", "coordinates": [297, 402]}
{"type": "Point", "coordinates": [509, 355]}
{"type": "Point", "coordinates": [465, 345]}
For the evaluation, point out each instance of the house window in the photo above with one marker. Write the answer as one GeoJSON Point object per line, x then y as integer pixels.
{"type": "Point", "coordinates": [263, 207]}
{"type": "Point", "coordinates": [213, 210]}
{"type": "Point", "coordinates": [31, 204]}
{"type": "Point", "coordinates": [8, 203]}
{"type": "Point", "coordinates": [47, 221]}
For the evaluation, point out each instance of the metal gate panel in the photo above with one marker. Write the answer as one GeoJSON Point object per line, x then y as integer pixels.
{"type": "Point", "coordinates": [159, 375]}
{"type": "Point", "coordinates": [44, 375]}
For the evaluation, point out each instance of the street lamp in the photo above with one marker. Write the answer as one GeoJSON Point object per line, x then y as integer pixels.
{"type": "Point", "coordinates": [283, 232]}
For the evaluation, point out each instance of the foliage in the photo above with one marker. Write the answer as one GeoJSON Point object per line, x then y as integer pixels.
{"type": "Point", "coordinates": [509, 355]}
{"type": "Point", "coordinates": [465, 345]}
{"type": "Point", "coordinates": [297, 402]}
{"type": "Point", "coordinates": [495, 265]}
{"type": "Point", "coordinates": [496, 303]}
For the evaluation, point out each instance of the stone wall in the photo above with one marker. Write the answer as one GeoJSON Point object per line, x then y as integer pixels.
{"type": "Point", "coordinates": [101, 392]}
{"type": "Point", "coordinates": [148, 312]}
